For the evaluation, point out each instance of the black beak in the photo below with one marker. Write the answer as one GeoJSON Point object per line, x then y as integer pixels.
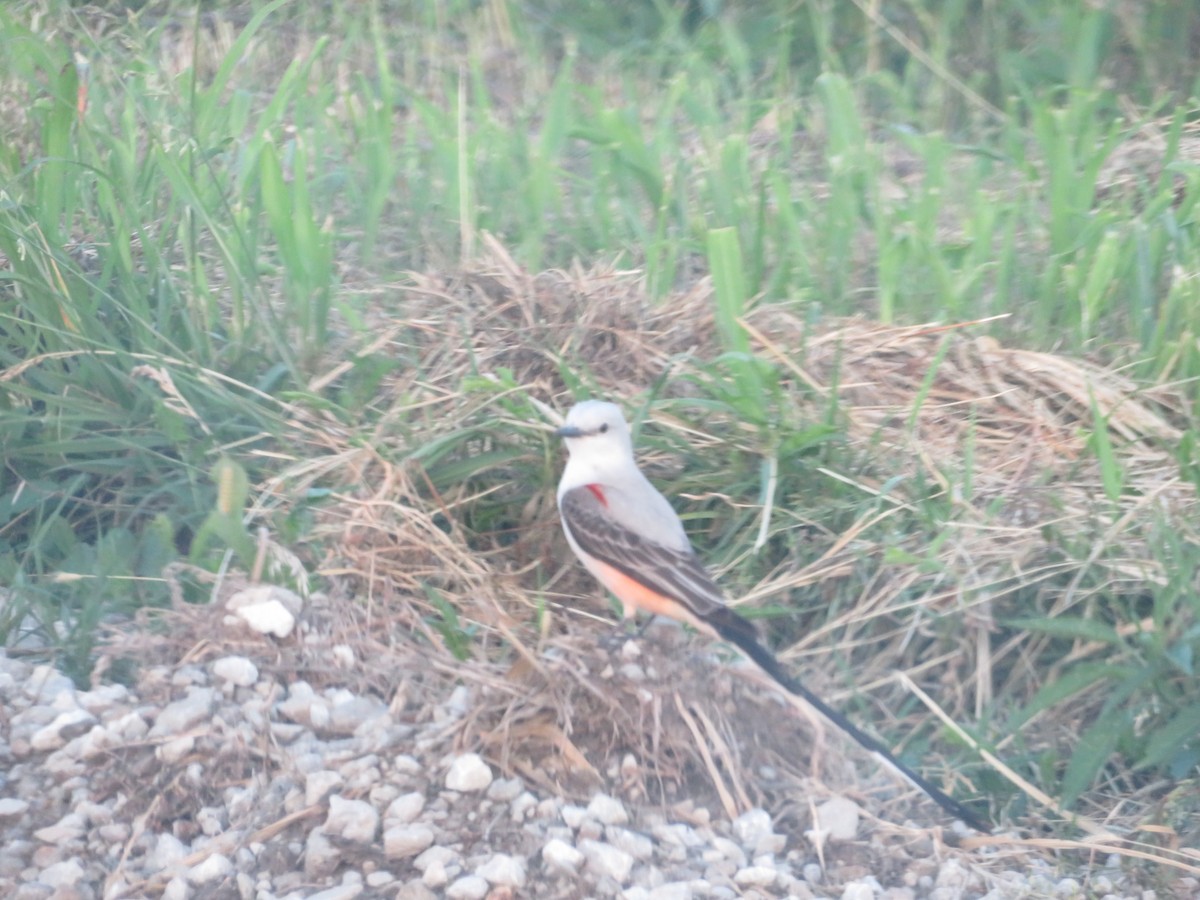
{"type": "Point", "coordinates": [569, 431]}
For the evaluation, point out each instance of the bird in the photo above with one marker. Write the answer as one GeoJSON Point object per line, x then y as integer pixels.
{"type": "Point", "coordinates": [629, 537]}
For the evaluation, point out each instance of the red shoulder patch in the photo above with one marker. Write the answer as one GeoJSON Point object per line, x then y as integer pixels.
{"type": "Point", "coordinates": [598, 493]}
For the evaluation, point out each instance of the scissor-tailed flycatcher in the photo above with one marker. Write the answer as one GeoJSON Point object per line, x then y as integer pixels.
{"type": "Point", "coordinates": [628, 536]}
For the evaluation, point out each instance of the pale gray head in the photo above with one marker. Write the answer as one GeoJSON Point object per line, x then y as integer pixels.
{"type": "Point", "coordinates": [596, 429]}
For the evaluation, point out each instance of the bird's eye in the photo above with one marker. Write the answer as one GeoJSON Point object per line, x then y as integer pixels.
{"type": "Point", "coordinates": [604, 428]}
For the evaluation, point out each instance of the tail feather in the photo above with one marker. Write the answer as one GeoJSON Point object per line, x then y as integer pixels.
{"type": "Point", "coordinates": [738, 631]}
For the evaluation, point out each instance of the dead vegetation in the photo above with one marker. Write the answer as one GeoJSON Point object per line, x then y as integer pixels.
{"type": "Point", "coordinates": [432, 593]}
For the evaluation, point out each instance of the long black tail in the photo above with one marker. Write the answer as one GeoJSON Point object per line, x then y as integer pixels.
{"type": "Point", "coordinates": [741, 634]}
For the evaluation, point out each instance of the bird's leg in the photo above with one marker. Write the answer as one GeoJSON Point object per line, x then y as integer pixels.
{"type": "Point", "coordinates": [625, 628]}
{"type": "Point", "coordinates": [616, 637]}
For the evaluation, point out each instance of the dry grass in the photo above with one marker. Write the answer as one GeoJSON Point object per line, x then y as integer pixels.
{"type": "Point", "coordinates": [558, 709]}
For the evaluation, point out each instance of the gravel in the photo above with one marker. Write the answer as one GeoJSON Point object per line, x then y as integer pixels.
{"type": "Point", "coordinates": [223, 780]}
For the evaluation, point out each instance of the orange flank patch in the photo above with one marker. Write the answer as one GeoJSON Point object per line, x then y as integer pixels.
{"type": "Point", "coordinates": [636, 597]}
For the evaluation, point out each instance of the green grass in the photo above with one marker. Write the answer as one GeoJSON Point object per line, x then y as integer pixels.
{"type": "Point", "coordinates": [238, 226]}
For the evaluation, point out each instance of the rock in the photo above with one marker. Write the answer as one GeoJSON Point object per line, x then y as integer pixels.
{"type": "Point", "coordinates": [435, 855]}
{"type": "Point", "coordinates": [176, 889]}
{"type": "Point", "coordinates": [266, 593]}
{"type": "Point", "coordinates": [403, 841]}
{"type": "Point", "coordinates": [211, 820]}
{"type": "Point", "coordinates": [606, 860]}
{"type": "Point", "coordinates": [181, 715]}
{"type": "Point", "coordinates": [858, 890]}
{"type": "Point", "coordinates": [129, 728]}
{"type": "Point", "coordinates": [573, 815]}
{"type": "Point", "coordinates": [468, 773]}
{"type": "Point", "coordinates": [751, 827]}
{"type": "Point", "coordinates": [730, 850]}
{"type": "Point", "coordinates": [209, 870]}
{"type": "Point", "coordinates": [505, 790]}
{"type": "Point", "coordinates": [271, 617]}
{"type": "Point", "coordinates": [674, 890]}
{"type": "Point", "coordinates": [11, 808]}
{"type": "Point", "coordinates": [524, 807]}
{"type": "Point", "coordinates": [348, 715]}
{"type": "Point", "coordinates": [636, 845]}
{"type": "Point", "coordinates": [756, 876]}
{"type": "Point", "coordinates": [469, 887]}
{"type": "Point", "coordinates": [503, 870]}
{"type": "Point", "coordinates": [67, 873]}
{"type": "Point", "coordinates": [46, 684]}
{"type": "Point", "coordinates": [168, 850]}
{"type": "Point", "coordinates": [320, 784]}
{"type": "Point", "coordinates": [404, 809]}
{"type": "Point", "coordinates": [607, 810]}
{"type": "Point", "coordinates": [103, 698]}
{"type": "Point", "coordinates": [66, 726]}
{"type": "Point", "coordinates": [70, 827]}
{"type": "Point", "coordinates": [237, 670]}
{"type": "Point", "coordinates": [321, 858]}
{"type": "Point", "coordinates": [414, 890]}
{"type": "Point", "coordinates": [176, 749]}
{"type": "Point", "coordinates": [561, 856]}
{"type": "Point", "coordinates": [836, 820]}
{"type": "Point", "coordinates": [341, 892]}
{"type": "Point", "coordinates": [351, 820]}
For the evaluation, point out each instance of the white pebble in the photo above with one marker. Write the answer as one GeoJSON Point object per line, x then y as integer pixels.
{"type": "Point", "coordinates": [443, 855]}
{"type": "Point", "coordinates": [607, 810]}
{"type": "Point", "coordinates": [561, 856]}
{"type": "Point", "coordinates": [836, 820]}
{"type": "Point", "coordinates": [66, 726]}
{"type": "Point", "coordinates": [403, 841]}
{"type": "Point", "coordinates": [672, 890]}
{"type": "Point", "coordinates": [69, 828]}
{"type": "Point", "coordinates": [62, 874]}
{"type": "Point", "coordinates": [730, 850]}
{"type": "Point", "coordinates": [321, 858]}
{"type": "Point", "coordinates": [12, 808]}
{"type": "Point", "coordinates": [636, 845]}
{"type": "Point", "coordinates": [523, 807]}
{"type": "Point", "coordinates": [504, 790]}
{"type": "Point", "coordinates": [176, 889]}
{"type": "Point", "coordinates": [167, 851]}
{"type": "Point", "coordinates": [351, 820]}
{"type": "Point", "coordinates": [237, 670]}
{"type": "Point", "coordinates": [469, 887]}
{"type": "Point", "coordinates": [349, 716]}
{"type": "Point", "coordinates": [266, 593]}
{"type": "Point", "coordinates": [435, 875]}
{"type": "Point", "coordinates": [751, 827]}
{"type": "Point", "coordinates": [181, 715]}
{"type": "Point", "coordinates": [503, 870]}
{"type": "Point", "coordinates": [468, 773]}
{"type": "Point", "coordinates": [756, 876]}
{"type": "Point", "coordinates": [858, 890]}
{"type": "Point", "coordinates": [176, 749]}
{"type": "Point", "coordinates": [214, 868]}
{"type": "Point", "coordinates": [102, 699]}
{"type": "Point", "coordinates": [404, 809]}
{"type": "Point", "coordinates": [573, 815]}
{"type": "Point", "coordinates": [341, 892]}
{"type": "Point", "coordinates": [271, 617]}
{"type": "Point", "coordinates": [606, 860]}
{"type": "Point", "coordinates": [320, 784]}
